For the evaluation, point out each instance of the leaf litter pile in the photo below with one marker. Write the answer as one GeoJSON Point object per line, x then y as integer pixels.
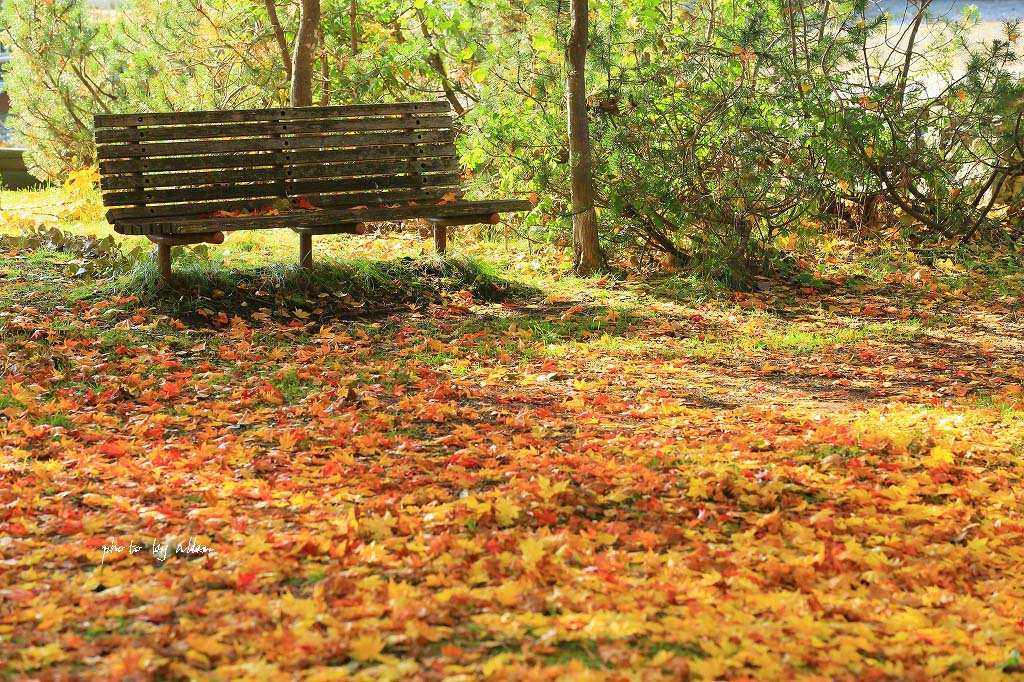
{"type": "Point", "coordinates": [815, 482]}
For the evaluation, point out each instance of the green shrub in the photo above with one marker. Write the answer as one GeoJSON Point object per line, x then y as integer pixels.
{"type": "Point", "coordinates": [57, 80]}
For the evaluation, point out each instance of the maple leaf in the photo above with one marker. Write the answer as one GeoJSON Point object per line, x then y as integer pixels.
{"type": "Point", "coordinates": [532, 550]}
{"type": "Point", "coordinates": [939, 456]}
{"type": "Point", "coordinates": [247, 582]}
{"type": "Point", "coordinates": [305, 205]}
{"type": "Point", "coordinates": [208, 646]}
{"type": "Point", "coordinates": [506, 510]}
{"type": "Point", "coordinates": [367, 647]}
{"type": "Point", "coordinates": [113, 448]}
{"type": "Point", "coordinates": [39, 656]}
{"type": "Point", "coordinates": [225, 214]}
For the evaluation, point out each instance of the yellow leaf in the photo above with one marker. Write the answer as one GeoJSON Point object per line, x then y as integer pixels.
{"type": "Point", "coordinates": [939, 456]}
{"type": "Point", "coordinates": [495, 664]}
{"type": "Point", "coordinates": [709, 668]}
{"type": "Point", "coordinates": [533, 551]}
{"type": "Point", "coordinates": [660, 659]}
{"type": "Point", "coordinates": [208, 646]}
{"type": "Point", "coordinates": [508, 593]}
{"type": "Point", "coordinates": [698, 489]}
{"type": "Point", "coordinates": [367, 648]}
{"type": "Point", "coordinates": [40, 656]}
{"type": "Point", "coordinates": [506, 511]}
{"type": "Point", "coordinates": [478, 507]}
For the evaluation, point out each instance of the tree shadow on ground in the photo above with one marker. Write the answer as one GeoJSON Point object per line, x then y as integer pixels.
{"type": "Point", "coordinates": [334, 290]}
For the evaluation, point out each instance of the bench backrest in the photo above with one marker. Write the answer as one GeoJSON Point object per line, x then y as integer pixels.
{"type": "Point", "coordinates": [194, 163]}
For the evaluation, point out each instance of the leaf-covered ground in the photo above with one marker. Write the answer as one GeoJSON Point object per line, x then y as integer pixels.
{"type": "Point", "coordinates": [596, 480]}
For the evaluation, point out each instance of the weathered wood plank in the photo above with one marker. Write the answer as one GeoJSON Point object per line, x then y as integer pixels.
{"type": "Point", "coordinates": [236, 130]}
{"type": "Point", "coordinates": [273, 189]}
{"type": "Point", "coordinates": [356, 228]}
{"type": "Point", "coordinates": [270, 158]}
{"type": "Point", "coordinates": [194, 209]}
{"type": "Point", "coordinates": [381, 199]}
{"type": "Point", "coordinates": [255, 144]}
{"type": "Point", "coordinates": [314, 219]}
{"type": "Point", "coordinates": [284, 113]}
{"type": "Point", "coordinates": [286, 172]}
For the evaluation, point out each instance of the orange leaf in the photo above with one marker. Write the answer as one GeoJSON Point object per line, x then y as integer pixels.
{"type": "Point", "coordinates": [224, 214]}
{"type": "Point", "coordinates": [113, 448]}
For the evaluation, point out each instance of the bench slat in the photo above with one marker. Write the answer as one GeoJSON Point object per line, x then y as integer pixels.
{"type": "Point", "coordinates": [276, 189]}
{"type": "Point", "coordinates": [349, 141]}
{"type": "Point", "coordinates": [286, 113]}
{"type": "Point", "coordinates": [289, 172]}
{"type": "Point", "coordinates": [171, 212]}
{"type": "Point", "coordinates": [245, 160]}
{"type": "Point", "coordinates": [320, 218]}
{"type": "Point", "coordinates": [227, 131]}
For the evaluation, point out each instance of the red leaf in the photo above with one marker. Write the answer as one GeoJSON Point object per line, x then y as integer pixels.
{"type": "Point", "coordinates": [305, 205]}
{"type": "Point", "coordinates": [113, 448]}
{"type": "Point", "coordinates": [246, 582]}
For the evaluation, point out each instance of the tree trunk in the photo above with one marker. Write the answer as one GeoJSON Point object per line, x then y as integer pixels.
{"type": "Point", "coordinates": [353, 27]}
{"type": "Point", "coordinates": [282, 42]}
{"type": "Point", "coordinates": [586, 249]}
{"type": "Point", "coordinates": [304, 56]}
{"type": "Point", "coordinates": [436, 63]}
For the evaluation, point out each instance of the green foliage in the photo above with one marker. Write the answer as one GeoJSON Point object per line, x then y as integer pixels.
{"type": "Point", "coordinates": [156, 55]}
{"type": "Point", "coordinates": [90, 257]}
{"type": "Point", "coordinates": [196, 54]}
{"type": "Point", "coordinates": [57, 81]}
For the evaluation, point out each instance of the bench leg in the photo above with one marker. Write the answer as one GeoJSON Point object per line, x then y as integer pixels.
{"type": "Point", "coordinates": [440, 239]}
{"type": "Point", "coordinates": [441, 225]}
{"type": "Point", "coordinates": [306, 251]}
{"type": "Point", "coordinates": [163, 258]}
{"type": "Point", "coordinates": [164, 242]}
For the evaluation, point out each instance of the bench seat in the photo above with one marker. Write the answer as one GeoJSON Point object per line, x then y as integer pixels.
{"type": "Point", "coordinates": [313, 219]}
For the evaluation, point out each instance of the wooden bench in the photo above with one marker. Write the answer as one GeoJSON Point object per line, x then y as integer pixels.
{"type": "Point", "coordinates": [189, 177]}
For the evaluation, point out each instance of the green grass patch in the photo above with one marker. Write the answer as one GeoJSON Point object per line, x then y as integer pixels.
{"type": "Point", "coordinates": [293, 390]}
{"type": "Point", "coordinates": [56, 419]}
{"type": "Point", "coordinates": [7, 401]}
